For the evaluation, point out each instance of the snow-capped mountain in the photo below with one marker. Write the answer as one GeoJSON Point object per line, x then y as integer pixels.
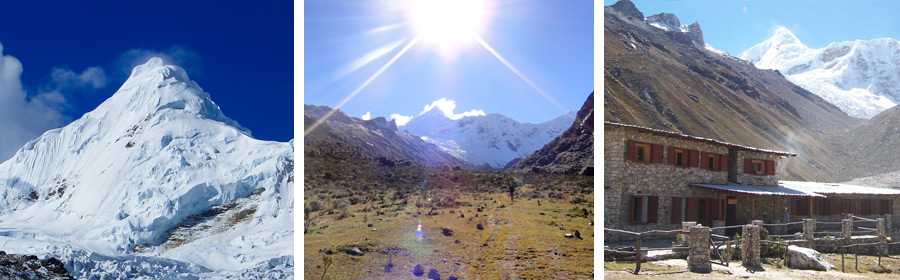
{"type": "Point", "coordinates": [493, 139]}
{"type": "Point", "coordinates": [861, 77]}
{"type": "Point", "coordinates": [156, 182]}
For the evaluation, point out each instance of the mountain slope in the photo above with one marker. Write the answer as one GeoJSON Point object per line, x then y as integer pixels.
{"type": "Point", "coordinates": [572, 152]}
{"type": "Point", "coordinates": [118, 181]}
{"type": "Point", "coordinates": [343, 136]}
{"type": "Point", "coordinates": [861, 77]}
{"type": "Point", "coordinates": [493, 139]}
{"type": "Point", "coordinates": [654, 81]}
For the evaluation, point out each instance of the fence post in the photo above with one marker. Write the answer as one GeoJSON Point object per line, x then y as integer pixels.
{"type": "Point", "coordinates": [888, 225]}
{"type": "Point", "coordinates": [698, 257]}
{"type": "Point", "coordinates": [809, 227]}
{"type": "Point", "coordinates": [879, 225]}
{"type": "Point", "coordinates": [637, 255]}
{"type": "Point", "coordinates": [686, 226]}
{"type": "Point", "coordinates": [750, 246]}
{"type": "Point", "coordinates": [847, 229]}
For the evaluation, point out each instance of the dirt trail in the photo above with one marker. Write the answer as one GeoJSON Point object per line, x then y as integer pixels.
{"type": "Point", "coordinates": [508, 264]}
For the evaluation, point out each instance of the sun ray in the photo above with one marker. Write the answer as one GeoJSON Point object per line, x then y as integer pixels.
{"type": "Point", "coordinates": [516, 71]}
{"type": "Point", "coordinates": [362, 86]}
{"type": "Point", "coordinates": [366, 59]}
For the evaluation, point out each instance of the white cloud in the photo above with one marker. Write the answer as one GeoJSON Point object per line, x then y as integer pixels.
{"type": "Point", "coordinates": [447, 106]}
{"type": "Point", "coordinates": [745, 10]}
{"type": "Point", "coordinates": [367, 116]}
{"type": "Point", "coordinates": [400, 119]}
{"type": "Point", "coordinates": [174, 55]}
{"type": "Point", "coordinates": [92, 77]}
{"type": "Point", "coordinates": [23, 117]}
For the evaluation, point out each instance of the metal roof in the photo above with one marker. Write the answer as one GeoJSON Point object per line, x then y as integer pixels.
{"type": "Point", "coordinates": [759, 190]}
{"type": "Point", "coordinates": [708, 140]}
{"type": "Point", "coordinates": [832, 188]}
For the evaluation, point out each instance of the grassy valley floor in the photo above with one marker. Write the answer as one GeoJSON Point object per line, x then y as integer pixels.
{"type": "Point", "coordinates": [517, 241]}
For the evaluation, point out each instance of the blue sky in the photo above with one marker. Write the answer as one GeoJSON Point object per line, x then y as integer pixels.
{"type": "Point", "coordinates": [550, 43]}
{"type": "Point", "coordinates": [241, 53]}
{"type": "Point", "coordinates": [727, 26]}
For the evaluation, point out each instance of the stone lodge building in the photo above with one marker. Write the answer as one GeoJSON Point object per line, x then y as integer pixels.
{"type": "Point", "coordinates": [655, 179]}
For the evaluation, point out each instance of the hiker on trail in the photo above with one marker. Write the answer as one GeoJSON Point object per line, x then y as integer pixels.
{"type": "Point", "coordinates": [512, 193]}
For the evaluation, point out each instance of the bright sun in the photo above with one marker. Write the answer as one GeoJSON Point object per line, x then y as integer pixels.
{"type": "Point", "coordinates": [447, 22]}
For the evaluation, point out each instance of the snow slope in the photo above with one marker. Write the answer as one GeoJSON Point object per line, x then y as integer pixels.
{"type": "Point", "coordinates": [861, 77]}
{"type": "Point", "coordinates": [493, 139]}
{"type": "Point", "coordinates": [111, 186]}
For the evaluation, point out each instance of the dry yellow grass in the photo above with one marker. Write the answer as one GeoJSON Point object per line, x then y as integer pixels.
{"type": "Point", "coordinates": [516, 243]}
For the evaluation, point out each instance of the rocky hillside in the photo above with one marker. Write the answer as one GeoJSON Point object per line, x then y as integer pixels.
{"type": "Point", "coordinates": [570, 153]}
{"type": "Point", "coordinates": [342, 136]}
{"type": "Point", "coordinates": [652, 80]}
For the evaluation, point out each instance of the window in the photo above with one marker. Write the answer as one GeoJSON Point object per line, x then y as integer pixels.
{"type": "Point", "coordinates": [681, 157]}
{"type": "Point", "coordinates": [694, 209]}
{"type": "Point", "coordinates": [643, 152]}
{"type": "Point", "coordinates": [644, 210]}
{"type": "Point", "coordinates": [757, 167]}
{"type": "Point", "coordinates": [712, 162]}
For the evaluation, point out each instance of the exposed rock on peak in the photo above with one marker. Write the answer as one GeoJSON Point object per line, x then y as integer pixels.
{"type": "Point", "coordinates": [627, 8]}
{"type": "Point", "coordinates": [570, 153]}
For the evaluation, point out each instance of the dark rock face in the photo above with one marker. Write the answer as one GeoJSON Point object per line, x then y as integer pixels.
{"type": "Point", "coordinates": [696, 34]}
{"type": "Point", "coordinates": [31, 267]}
{"type": "Point", "coordinates": [628, 9]}
{"type": "Point", "coordinates": [666, 18]}
{"type": "Point", "coordinates": [569, 153]}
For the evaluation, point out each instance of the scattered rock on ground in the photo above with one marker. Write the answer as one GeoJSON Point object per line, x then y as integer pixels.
{"type": "Point", "coordinates": [419, 270]}
{"type": "Point", "coordinates": [479, 227]}
{"type": "Point", "coordinates": [805, 258]}
{"type": "Point", "coordinates": [447, 231]}
{"type": "Point", "coordinates": [354, 252]}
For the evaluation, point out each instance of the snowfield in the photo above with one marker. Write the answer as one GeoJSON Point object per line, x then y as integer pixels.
{"type": "Point", "coordinates": [155, 183]}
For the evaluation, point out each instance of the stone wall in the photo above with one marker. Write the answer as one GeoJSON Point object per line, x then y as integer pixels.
{"type": "Point", "coordinates": [756, 180]}
{"type": "Point", "coordinates": [624, 178]}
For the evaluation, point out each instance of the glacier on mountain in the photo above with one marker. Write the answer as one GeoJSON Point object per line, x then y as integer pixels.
{"type": "Point", "coordinates": [861, 77]}
{"type": "Point", "coordinates": [155, 182]}
{"type": "Point", "coordinates": [493, 138]}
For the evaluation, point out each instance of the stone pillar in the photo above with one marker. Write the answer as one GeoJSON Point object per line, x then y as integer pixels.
{"type": "Point", "coordinates": [846, 229]}
{"type": "Point", "coordinates": [718, 223]}
{"type": "Point", "coordinates": [750, 246]}
{"type": "Point", "coordinates": [879, 225]}
{"type": "Point", "coordinates": [887, 225]}
{"type": "Point", "coordinates": [698, 257]}
{"type": "Point", "coordinates": [686, 240]}
{"type": "Point", "coordinates": [809, 226]}
{"type": "Point", "coordinates": [758, 223]}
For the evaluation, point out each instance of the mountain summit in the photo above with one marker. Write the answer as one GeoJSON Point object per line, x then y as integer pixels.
{"type": "Point", "coordinates": [156, 173]}
{"type": "Point", "coordinates": [861, 77]}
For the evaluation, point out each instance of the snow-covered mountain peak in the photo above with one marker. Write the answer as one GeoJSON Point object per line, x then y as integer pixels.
{"type": "Point", "coordinates": [861, 77]}
{"type": "Point", "coordinates": [134, 172]}
{"type": "Point", "coordinates": [155, 87]}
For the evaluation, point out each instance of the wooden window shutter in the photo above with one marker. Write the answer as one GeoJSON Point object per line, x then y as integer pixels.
{"type": "Point", "coordinates": [656, 153]}
{"type": "Point", "coordinates": [713, 209]}
{"type": "Point", "coordinates": [748, 166]}
{"type": "Point", "coordinates": [671, 155]}
{"type": "Point", "coordinates": [630, 153]}
{"type": "Point", "coordinates": [872, 206]}
{"type": "Point", "coordinates": [770, 167]}
{"type": "Point", "coordinates": [704, 160]}
{"type": "Point", "coordinates": [692, 158]}
{"type": "Point", "coordinates": [723, 163]}
{"type": "Point", "coordinates": [653, 209]}
{"type": "Point", "coordinates": [692, 213]}
{"type": "Point", "coordinates": [676, 210]}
